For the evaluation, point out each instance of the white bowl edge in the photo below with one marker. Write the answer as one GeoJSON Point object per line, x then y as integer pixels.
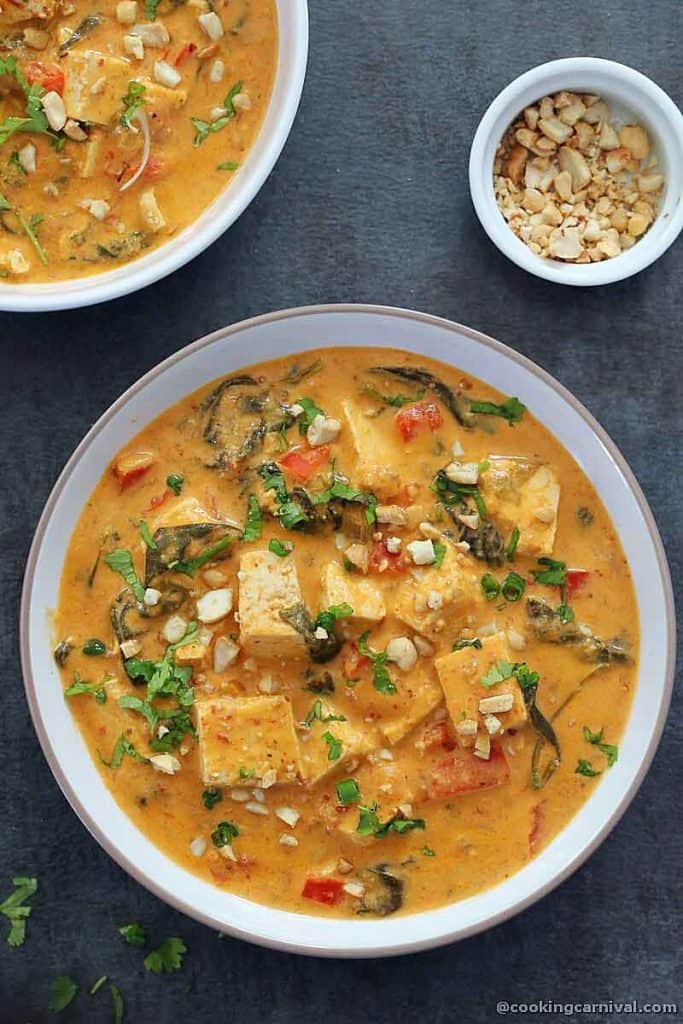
{"type": "Point", "coordinates": [299, 330]}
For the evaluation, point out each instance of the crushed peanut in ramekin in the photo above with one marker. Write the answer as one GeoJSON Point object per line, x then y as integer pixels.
{"type": "Point", "coordinates": [572, 183]}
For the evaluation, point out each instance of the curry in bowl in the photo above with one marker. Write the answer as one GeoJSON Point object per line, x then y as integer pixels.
{"type": "Point", "coordinates": [120, 123]}
{"type": "Point", "coordinates": [348, 633]}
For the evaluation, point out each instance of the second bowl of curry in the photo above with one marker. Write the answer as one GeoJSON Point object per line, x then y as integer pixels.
{"type": "Point", "coordinates": [134, 135]}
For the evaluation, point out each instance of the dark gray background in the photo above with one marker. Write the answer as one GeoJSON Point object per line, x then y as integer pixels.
{"type": "Point", "coordinates": [369, 202]}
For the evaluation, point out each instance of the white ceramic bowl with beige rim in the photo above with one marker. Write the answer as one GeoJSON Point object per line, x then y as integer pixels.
{"type": "Point", "coordinates": [275, 335]}
{"type": "Point", "coordinates": [216, 218]}
{"type": "Point", "coordinates": [632, 98]}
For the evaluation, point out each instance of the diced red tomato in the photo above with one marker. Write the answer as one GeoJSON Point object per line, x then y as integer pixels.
{"type": "Point", "coordinates": [382, 560]}
{"type": "Point", "coordinates": [354, 663]}
{"type": "Point", "coordinates": [129, 468]}
{"type": "Point", "coordinates": [49, 76]}
{"type": "Point", "coordinates": [302, 463]}
{"type": "Point", "coordinates": [157, 501]}
{"type": "Point", "coordinates": [323, 890]}
{"type": "Point", "coordinates": [412, 418]}
{"type": "Point", "coordinates": [575, 580]}
{"type": "Point", "coordinates": [463, 772]}
{"type": "Point", "coordinates": [185, 54]}
{"type": "Point", "coordinates": [537, 824]}
{"type": "Point", "coordinates": [437, 734]}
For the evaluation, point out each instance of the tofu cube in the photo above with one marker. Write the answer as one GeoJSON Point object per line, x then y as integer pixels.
{"type": "Point", "coordinates": [378, 453]}
{"type": "Point", "coordinates": [418, 693]}
{"type": "Point", "coordinates": [443, 594]}
{"type": "Point", "coordinates": [96, 82]}
{"type": "Point", "coordinates": [523, 495]}
{"type": "Point", "coordinates": [267, 586]}
{"type": "Point", "coordinates": [460, 674]}
{"type": "Point", "coordinates": [356, 739]}
{"type": "Point", "coordinates": [249, 733]}
{"type": "Point", "coordinates": [338, 587]}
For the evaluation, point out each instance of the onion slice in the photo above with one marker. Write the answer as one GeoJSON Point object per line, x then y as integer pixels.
{"type": "Point", "coordinates": [141, 117]}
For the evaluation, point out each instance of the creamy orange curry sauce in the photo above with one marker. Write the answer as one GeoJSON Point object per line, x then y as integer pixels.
{"type": "Point", "coordinates": [120, 122]}
{"type": "Point", "coordinates": [348, 632]}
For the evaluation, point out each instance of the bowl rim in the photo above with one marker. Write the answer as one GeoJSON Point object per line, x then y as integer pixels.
{"type": "Point", "coordinates": [236, 195]}
{"type": "Point", "coordinates": [507, 104]}
{"type": "Point", "coordinates": [293, 945]}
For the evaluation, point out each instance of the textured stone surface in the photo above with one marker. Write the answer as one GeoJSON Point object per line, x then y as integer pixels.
{"type": "Point", "coordinates": [368, 203]}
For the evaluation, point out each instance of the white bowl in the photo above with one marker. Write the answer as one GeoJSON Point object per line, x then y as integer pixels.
{"type": "Point", "coordinates": [223, 211]}
{"type": "Point", "coordinates": [299, 330]}
{"type": "Point", "coordinates": [632, 97]}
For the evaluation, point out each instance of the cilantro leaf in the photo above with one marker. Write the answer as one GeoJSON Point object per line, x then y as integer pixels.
{"type": "Point", "coordinates": [254, 524]}
{"type": "Point", "coordinates": [205, 128]}
{"type": "Point", "coordinates": [175, 481]}
{"type": "Point", "coordinates": [121, 561]}
{"type": "Point", "coordinates": [316, 714]}
{"type": "Point", "coordinates": [151, 8]}
{"type": "Point", "coordinates": [326, 619]}
{"type": "Point", "coordinates": [584, 767]}
{"type": "Point", "coordinates": [224, 833]}
{"type": "Point", "coordinates": [16, 910]}
{"type": "Point", "coordinates": [121, 748]}
{"type": "Point", "coordinates": [439, 553]}
{"type": "Point", "coordinates": [610, 751]}
{"type": "Point", "coordinates": [381, 679]}
{"type": "Point", "coordinates": [132, 102]}
{"type": "Point", "coordinates": [497, 673]}
{"type": "Point", "coordinates": [134, 934]}
{"type": "Point", "coordinates": [168, 957]}
{"type": "Point", "coordinates": [310, 411]}
{"type": "Point", "coordinates": [511, 410]}
{"type": "Point", "coordinates": [62, 992]}
{"type": "Point", "coordinates": [334, 745]}
{"type": "Point", "coordinates": [96, 690]}
{"type": "Point", "coordinates": [280, 548]}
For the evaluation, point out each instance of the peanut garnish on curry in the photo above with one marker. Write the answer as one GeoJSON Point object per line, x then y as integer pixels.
{"type": "Point", "coordinates": [348, 632]}
{"type": "Point", "coordinates": [121, 122]}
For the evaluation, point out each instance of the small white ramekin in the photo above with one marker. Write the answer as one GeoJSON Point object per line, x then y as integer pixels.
{"type": "Point", "coordinates": [632, 97]}
{"type": "Point", "coordinates": [216, 218]}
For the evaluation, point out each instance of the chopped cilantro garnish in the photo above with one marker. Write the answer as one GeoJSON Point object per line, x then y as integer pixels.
{"type": "Point", "coordinates": [310, 411]}
{"type": "Point", "coordinates": [439, 553]}
{"type": "Point", "coordinates": [132, 101]}
{"type": "Point", "coordinates": [367, 820]}
{"type": "Point", "coordinates": [511, 410]}
{"type": "Point", "coordinates": [147, 536]}
{"type": "Point", "coordinates": [326, 619]}
{"type": "Point", "coordinates": [254, 524]}
{"type": "Point", "coordinates": [121, 748]}
{"type": "Point", "coordinates": [381, 679]}
{"type": "Point", "coordinates": [497, 673]}
{"type": "Point", "coordinates": [370, 825]}
{"type": "Point", "coordinates": [167, 958]}
{"type": "Point", "coordinates": [79, 686]}
{"type": "Point", "coordinates": [62, 992]}
{"type": "Point", "coordinates": [175, 481]}
{"type": "Point", "coordinates": [94, 647]}
{"type": "Point", "coordinates": [280, 548]}
{"type": "Point", "coordinates": [585, 768]}
{"type": "Point", "coordinates": [610, 751]}
{"type": "Point", "coordinates": [224, 833]}
{"type": "Point", "coordinates": [428, 852]}
{"type": "Point", "coordinates": [151, 8]}
{"type": "Point", "coordinates": [211, 797]}
{"type": "Point", "coordinates": [564, 613]}
{"type": "Point", "coordinates": [121, 561]}
{"type": "Point", "coordinates": [205, 128]}
{"type": "Point", "coordinates": [16, 909]}
{"type": "Point", "coordinates": [247, 773]}
{"type": "Point", "coordinates": [227, 165]}
{"type": "Point", "coordinates": [334, 745]}
{"type": "Point", "coordinates": [134, 934]}
{"type": "Point", "coordinates": [554, 574]}
{"type": "Point", "coordinates": [316, 715]}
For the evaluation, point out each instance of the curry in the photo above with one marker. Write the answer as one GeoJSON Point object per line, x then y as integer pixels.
{"type": "Point", "coordinates": [121, 122]}
{"type": "Point", "coordinates": [348, 633]}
